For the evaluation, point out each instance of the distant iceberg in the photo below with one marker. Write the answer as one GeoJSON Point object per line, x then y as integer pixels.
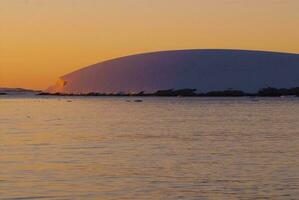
{"type": "Point", "coordinates": [204, 70]}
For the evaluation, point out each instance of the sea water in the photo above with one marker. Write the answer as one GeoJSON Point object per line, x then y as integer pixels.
{"type": "Point", "coordinates": [160, 148]}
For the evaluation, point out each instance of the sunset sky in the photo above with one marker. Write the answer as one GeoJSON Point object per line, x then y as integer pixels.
{"type": "Point", "coordinates": [41, 40]}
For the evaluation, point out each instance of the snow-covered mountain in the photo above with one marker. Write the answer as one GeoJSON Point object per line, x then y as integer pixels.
{"type": "Point", "coordinates": [204, 70]}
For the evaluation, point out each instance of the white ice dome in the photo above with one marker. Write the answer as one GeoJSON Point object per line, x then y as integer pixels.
{"type": "Point", "coordinates": [204, 70]}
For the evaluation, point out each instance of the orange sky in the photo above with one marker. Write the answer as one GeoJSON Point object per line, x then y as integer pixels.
{"type": "Point", "coordinates": [41, 40]}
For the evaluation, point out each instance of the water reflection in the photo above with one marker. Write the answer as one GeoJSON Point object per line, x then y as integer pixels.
{"type": "Point", "coordinates": [167, 148]}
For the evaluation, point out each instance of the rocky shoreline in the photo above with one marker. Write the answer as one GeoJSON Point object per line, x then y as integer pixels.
{"type": "Point", "coordinates": [265, 92]}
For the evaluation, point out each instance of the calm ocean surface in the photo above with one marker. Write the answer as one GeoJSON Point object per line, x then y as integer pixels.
{"type": "Point", "coordinates": [162, 148]}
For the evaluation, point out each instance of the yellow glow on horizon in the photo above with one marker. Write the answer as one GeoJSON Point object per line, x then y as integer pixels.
{"type": "Point", "coordinates": [42, 40]}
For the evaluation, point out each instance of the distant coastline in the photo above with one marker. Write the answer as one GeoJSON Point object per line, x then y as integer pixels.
{"type": "Point", "coordinates": [17, 91]}
{"type": "Point", "coordinates": [265, 92]}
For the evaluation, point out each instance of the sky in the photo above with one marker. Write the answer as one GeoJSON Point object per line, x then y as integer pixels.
{"type": "Point", "coordinates": [41, 40]}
